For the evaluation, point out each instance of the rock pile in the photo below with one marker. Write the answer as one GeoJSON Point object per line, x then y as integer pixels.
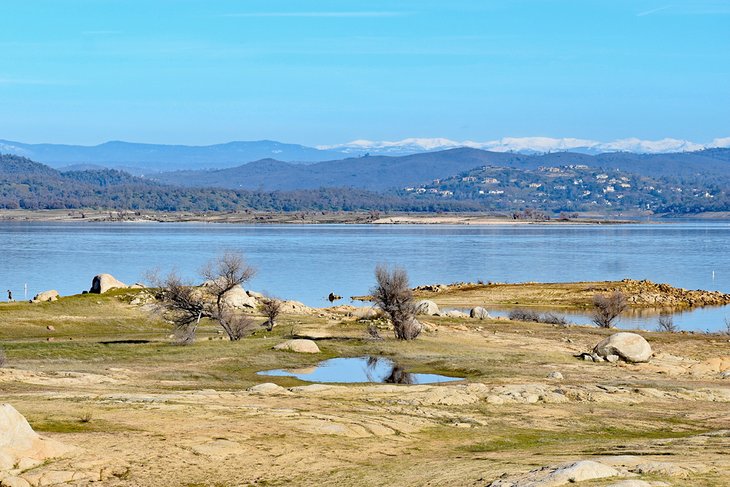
{"type": "Point", "coordinates": [105, 282]}
{"type": "Point", "coordinates": [647, 293]}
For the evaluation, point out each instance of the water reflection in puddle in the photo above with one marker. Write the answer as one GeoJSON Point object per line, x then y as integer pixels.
{"type": "Point", "coordinates": [359, 369]}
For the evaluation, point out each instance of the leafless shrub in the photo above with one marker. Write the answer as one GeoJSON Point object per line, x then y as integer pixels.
{"type": "Point", "coordinates": [373, 333]}
{"type": "Point", "coordinates": [241, 326]}
{"type": "Point", "coordinates": [666, 323]}
{"type": "Point", "coordinates": [393, 295]}
{"type": "Point", "coordinates": [553, 319]}
{"type": "Point", "coordinates": [187, 305]}
{"type": "Point", "coordinates": [271, 308]}
{"type": "Point", "coordinates": [607, 308]}
{"type": "Point", "coordinates": [520, 314]}
{"type": "Point", "coordinates": [727, 326]}
{"type": "Point", "coordinates": [86, 417]}
{"type": "Point", "coordinates": [528, 315]}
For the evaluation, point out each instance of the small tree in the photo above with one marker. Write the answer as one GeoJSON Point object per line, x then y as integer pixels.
{"type": "Point", "coordinates": [666, 323]}
{"type": "Point", "coordinates": [607, 308]}
{"type": "Point", "coordinates": [393, 295]}
{"type": "Point", "coordinates": [188, 304]}
{"type": "Point", "coordinates": [271, 308]}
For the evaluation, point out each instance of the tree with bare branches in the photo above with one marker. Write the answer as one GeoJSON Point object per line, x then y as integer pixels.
{"type": "Point", "coordinates": [393, 295]}
{"type": "Point", "coordinates": [271, 308]}
{"type": "Point", "coordinates": [188, 304]}
{"type": "Point", "coordinates": [608, 307]}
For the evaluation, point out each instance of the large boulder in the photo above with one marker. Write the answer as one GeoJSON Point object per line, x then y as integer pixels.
{"type": "Point", "coordinates": [105, 282]}
{"type": "Point", "coordinates": [628, 346]}
{"type": "Point", "coordinates": [299, 346]}
{"type": "Point", "coordinates": [427, 307]}
{"type": "Point", "coordinates": [20, 444]}
{"type": "Point", "coordinates": [46, 296]}
{"type": "Point", "coordinates": [479, 313]}
{"type": "Point", "coordinates": [239, 299]}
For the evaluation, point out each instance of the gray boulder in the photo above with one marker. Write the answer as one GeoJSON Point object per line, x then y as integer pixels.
{"type": "Point", "coordinates": [630, 347]}
{"type": "Point", "coordinates": [239, 299]}
{"type": "Point", "coordinates": [45, 296]}
{"type": "Point", "coordinates": [105, 282]}
{"type": "Point", "coordinates": [299, 346]}
{"type": "Point", "coordinates": [479, 313]}
{"type": "Point", "coordinates": [427, 307]}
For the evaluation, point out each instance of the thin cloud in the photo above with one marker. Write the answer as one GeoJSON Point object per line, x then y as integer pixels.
{"type": "Point", "coordinates": [318, 14]}
{"type": "Point", "coordinates": [653, 11]}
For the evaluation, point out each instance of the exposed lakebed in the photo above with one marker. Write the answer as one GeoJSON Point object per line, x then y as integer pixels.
{"type": "Point", "coordinates": [359, 370]}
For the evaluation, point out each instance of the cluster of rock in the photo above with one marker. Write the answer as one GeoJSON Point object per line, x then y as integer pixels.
{"type": "Point", "coordinates": [429, 308]}
{"type": "Point", "coordinates": [629, 347]}
{"type": "Point", "coordinates": [647, 293]}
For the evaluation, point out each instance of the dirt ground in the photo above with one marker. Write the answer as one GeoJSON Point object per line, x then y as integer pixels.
{"type": "Point", "coordinates": [144, 412]}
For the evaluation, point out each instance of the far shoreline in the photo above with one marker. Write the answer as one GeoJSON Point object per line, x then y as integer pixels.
{"type": "Point", "coordinates": [324, 218]}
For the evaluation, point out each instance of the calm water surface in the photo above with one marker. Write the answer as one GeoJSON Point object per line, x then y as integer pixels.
{"type": "Point", "coordinates": [359, 369]}
{"type": "Point", "coordinates": [306, 262]}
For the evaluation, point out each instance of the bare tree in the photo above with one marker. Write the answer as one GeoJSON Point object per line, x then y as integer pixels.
{"type": "Point", "coordinates": [188, 304]}
{"type": "Point", "coordinates": [271, 308]}
{"type": "Point", "coordinates": [727, 326]}
{"type": "Point", "coordinates": [608, 307]}
{"type": "Point", "coordinates": [666, 323]}
{"type": "Point", "coordinates": [394, 296]}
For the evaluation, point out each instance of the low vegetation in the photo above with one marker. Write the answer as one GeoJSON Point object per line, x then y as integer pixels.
{"type": "Point", "coordinates": [608, 307]}
{"type": "Point", "coordinates": [393, 295]}
{"type": "Point", "coordinates": [521, 314]}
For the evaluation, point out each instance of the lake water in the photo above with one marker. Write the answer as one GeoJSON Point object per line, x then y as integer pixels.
{"type": "Point", "coordinates": [359, 369]}
{"type": "Point", "coordinates": [307, 262]}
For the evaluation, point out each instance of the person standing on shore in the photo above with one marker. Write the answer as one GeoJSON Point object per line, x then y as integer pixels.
{"type": "Point", "coordinates": [10, 296]}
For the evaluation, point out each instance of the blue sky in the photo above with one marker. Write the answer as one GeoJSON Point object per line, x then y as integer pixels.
{"type": "Point", "coordinates": [322, 72]}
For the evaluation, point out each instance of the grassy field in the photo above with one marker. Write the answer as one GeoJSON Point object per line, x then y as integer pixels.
{"type": "Point", "coordinates": [107, 379]}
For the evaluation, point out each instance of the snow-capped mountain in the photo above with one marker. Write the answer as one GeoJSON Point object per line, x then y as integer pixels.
{"type": "Point", "coordinates": [526, 145]}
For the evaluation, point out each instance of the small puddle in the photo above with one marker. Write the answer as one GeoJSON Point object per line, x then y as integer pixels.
{"type": "Point", "coordinates": [359, 369]}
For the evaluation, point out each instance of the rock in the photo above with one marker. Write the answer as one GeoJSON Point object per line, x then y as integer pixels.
{"type": "Point", "coordinates": [19, 441]}
{"type": "Point", "coordinates": [239, 299]}
{"type": "Point", "coordinates": [715, 365]}
{"type": "Point", "coordinates": [14, 482]}
{"type": "Point", "coordinates": [105, 282]}
{"type": "Point", "coordinates": [479, 313]}
{"type": "Point", "coordinates": [46, 296]}
{"type": "Point", "coordinates": [296, 308]}
{"type": "Point", "coordinates": [555, 375]}
{"type": "Point", "coordinates": [637, 483]}
{"type": "Point", "coordinates": [612, 358]}
{"type": "Point", "coordinates": [254, 294]}
{"type": "Point", "coordinates": [51, 328]}
{"type": "Point", "coordinates": [631, 347]}
{"type": "Point", "coordinates": [137, 285]}
{"type": "Point", "coordinates": [267, 388]}
{"type": "Point", "coordinates": [725, 375]}
{"type": "Point", "coordinates": [559, 475]}
{"type": "Point", "coordinates": [427, 307]}
{"type": "Point", "coordinates": [453, 313]}
{"type": "Point", "coordinates": [299, 346]}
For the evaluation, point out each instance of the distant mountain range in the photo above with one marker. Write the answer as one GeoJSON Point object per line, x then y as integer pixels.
{"type": "Point", "coordinates": [380, 173]}
{"type": "Point", "coordinates": [143, 159]}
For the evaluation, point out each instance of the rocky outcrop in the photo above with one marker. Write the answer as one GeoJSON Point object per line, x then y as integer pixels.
{"type": "Point", "coordinates": [105, 282]}
{"type": "Point", "coordinates": [630, 347]}
{"type": "Point", "coordinates": [564, 474]}
{"type": "Point", "coordinates": [647, 293]}
{"type": "Point", "coordinates": [479, 313]}
{"type": "Point", "coordinates": [427, 307]}
{"type": "Point", "coordinates": [299, 346]}
{"type": "Point", "coordinates": [46, 296]}
{"type": "Point", "coordinates": [20, 445]}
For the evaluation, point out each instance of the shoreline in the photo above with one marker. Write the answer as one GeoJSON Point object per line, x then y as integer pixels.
{"type": "Point", "coordinates": [303, 218]}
